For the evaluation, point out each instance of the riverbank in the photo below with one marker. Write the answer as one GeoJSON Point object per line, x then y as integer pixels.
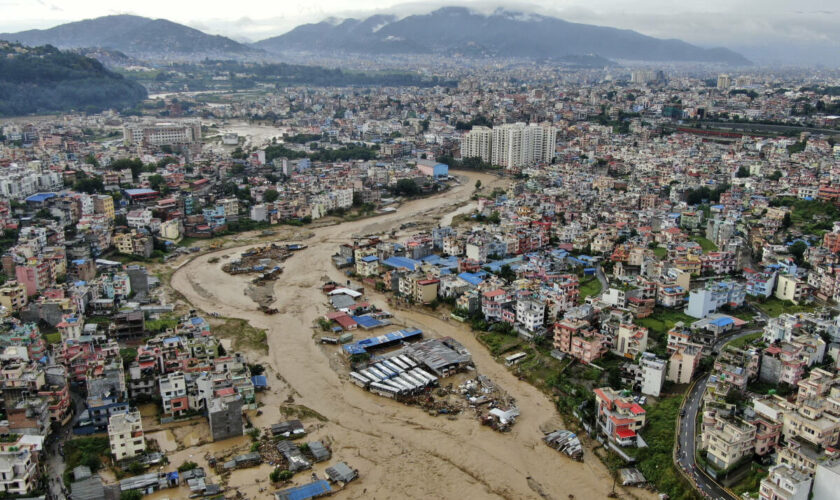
{"type": "Point", "coordinates": [399, 450]}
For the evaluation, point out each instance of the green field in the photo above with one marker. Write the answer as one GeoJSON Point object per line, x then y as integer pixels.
{"type": "Point", "coordinates": [663, 320]}
{"type": "Point", "coordinates": [706, 245]}
{"type": "Point", "coordinates": [660, 252]}
{"type": "Point", "coordinates": [590, 287]}
{"type": "Point", "coordinates": [773, 307]}
{"type": "Point", "coordinates": [743, 341]}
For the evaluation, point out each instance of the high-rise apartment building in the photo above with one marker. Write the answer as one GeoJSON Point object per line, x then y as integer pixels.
{"type": "Point", "coordinates": [724, 82]}
{"type": "Point", "coordinates": [477, 143]}
{"type": "Point", "coordinates": [518, 145]}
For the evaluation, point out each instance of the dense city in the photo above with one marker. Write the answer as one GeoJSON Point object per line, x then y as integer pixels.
{"type": "Point", "coordinates": [639, 268]}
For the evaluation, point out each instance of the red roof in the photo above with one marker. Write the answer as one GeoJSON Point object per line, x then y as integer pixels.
{"type": "Point", "coordinates": [345, 321]}
{"type": "Point", "coordinates": [625, 433]}
{"type": "Point", "coordinates": [637, 410]}
{"type": "Point", "coordinates": [227, 391]}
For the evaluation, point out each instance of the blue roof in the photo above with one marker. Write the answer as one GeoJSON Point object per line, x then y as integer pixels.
{"type": "Point", "coordinates": [722, 321]}
{"type": "Point", "coordinates": [196, 321]}
{"type": "Point", "coordinates": [172, 340]}
{"type": "Point", "coordinates": [41, 197]}
{"type": "Point", "coordinates": [370, 258]}
{"type": "Point", "coordinates": [259, 381]}
{"type": "Point", "coordinates": [134, 192]}
{"type": "Point", "coordinates": [361, 346]}
{"type": "Point", "coordinates": [306, 491]}
{"type": "Point", "coordinates": [398, 262]}
{"type": "Point", "coordinates": [367, 321]}
{"type": "Point", "coordinates": [473, 279]}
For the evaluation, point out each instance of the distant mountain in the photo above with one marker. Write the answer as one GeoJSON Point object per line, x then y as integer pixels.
{"type": "Point", "coordinates": [47, 80]}
{"type": "Point", "coordinates": [460, 31]}
{"type": "Point", "coordinates": [137, 37]}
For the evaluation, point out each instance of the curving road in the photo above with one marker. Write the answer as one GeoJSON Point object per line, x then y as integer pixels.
{"type": "Point", "coordinates": [686, 443]}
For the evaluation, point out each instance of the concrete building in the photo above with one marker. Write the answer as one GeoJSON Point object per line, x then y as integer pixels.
{"type": "Point", "coordinates": [706, 300]}
{"type": "Point", "coordinates": [18, 472]}
{"type": "Point", "coordinates": [517, 145]}
{"type": "Point", "coordinates": [827, 480]}
{"type": "Point", "coordinates": [619, 417]}
{"type": "Point", "coordinates": [653, 374]}
{"type": "Point", "coordinates": [683, 362]}
{"type": "Point", "coordinates": [125, 433]}
{"type": "Point", "coordinates": [726, 441]}
{"type": "Point", "coordinates": [477, 143]}
{"type": "Point", "coordinates": [785, 483]}
{"type": "Point", "coordinates": [631, 340]}
{"type": "Point", "coordinates": [792, 288]}
{"type": "Point", "coordinates": [173, 393]}
{"type": "Point", "coordinates": [162, 134]}
{"type": "Point", "coordinates": [225, 417]}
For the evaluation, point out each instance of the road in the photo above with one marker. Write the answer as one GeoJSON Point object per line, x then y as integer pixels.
{"type": "Point", "coordinates": [688, 432]}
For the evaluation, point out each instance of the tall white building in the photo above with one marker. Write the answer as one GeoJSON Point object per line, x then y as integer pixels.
{"type": "Point", "coordinates": [724, 82]}
{"type": "Point", "coordinates": [477, 143]}
{"type": "Point", "coordinates": [827, 480]}
{"type": "Point", "coordinates": [518, 145]}
{"type": "Point", "coordinates": [653, 374]}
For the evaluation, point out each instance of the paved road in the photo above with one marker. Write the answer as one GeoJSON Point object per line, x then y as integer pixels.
{"type": "Point", "coordinates": [687, 434]}
{"type": "Point", "coordinates": [599, 272]}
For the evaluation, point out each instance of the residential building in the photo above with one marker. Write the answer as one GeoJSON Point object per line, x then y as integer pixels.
{"type": "Point", "coordinates": [653, 374]}
{"type": "Point", "coordinates": [785, 483]}
{"type": "Point", "coordinates": [619, 417]}
{"type": "Point", "coordinates": [125, 433]}
{"type": "Point", "coordinates": [726, 441]}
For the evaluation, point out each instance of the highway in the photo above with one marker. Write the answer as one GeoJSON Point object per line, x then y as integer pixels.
{"type": "Point", "coordinates": [707, 486]}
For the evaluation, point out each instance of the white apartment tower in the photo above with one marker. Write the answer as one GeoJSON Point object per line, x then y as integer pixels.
{"type": "Point", "coordinates": [477, 144]}
{"type": "Point", "coordinates": [518, 145]}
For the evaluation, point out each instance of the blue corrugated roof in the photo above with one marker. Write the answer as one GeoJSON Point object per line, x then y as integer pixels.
{"type": "Point", "coordinates": [367, 321]}
{"type": "Point", "coordinates": [399, 262]}
{"type": "Point", "coordinates": [306, 491]}
{"type": "Point", "coordinates": [41, 197]}
{"type": "Point", "coordinates": [134, 192]}
{"type": "Point", "coordinates": [723, 321]}
{"type": "Point", "coordinates": [360, 346]}
{"type": "Point", "coordinates": [474, 279]}
{"type": "Point", "coordinates": [259, 381]}
{"type": "Point", "coordinates": [370, 258]}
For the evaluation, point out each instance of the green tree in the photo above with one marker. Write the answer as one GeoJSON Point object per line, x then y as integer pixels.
{"type": "Point", "coordinates": [797, 250]}
{"type": "Point", "coordinates": [406, 187]}
{"type": "Point", "coordinates": [131, 495]}
{"type": "Point", "coordinates": [157, 181]}
{"type": "Point", "coordinates": [478, 184]}
{"type": "Point", "coordinates": [271, 195]}
{"type": "Point", "coordinates": [134, 164]}
{"type": "Point", "coordinates": [742, 172]}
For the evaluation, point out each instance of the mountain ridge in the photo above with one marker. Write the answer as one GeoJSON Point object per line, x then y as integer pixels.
{"type": "Point", "coordinates": [135, 36]}
{"type": "Point", "coordinates": [458, 30]}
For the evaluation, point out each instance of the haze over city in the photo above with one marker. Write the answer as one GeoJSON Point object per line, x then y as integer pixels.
{"type": "Point", "coordinates": [767, 31]}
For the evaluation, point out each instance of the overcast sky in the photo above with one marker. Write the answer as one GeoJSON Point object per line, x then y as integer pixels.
{"type": "Point", "coordinates": [764, 29]}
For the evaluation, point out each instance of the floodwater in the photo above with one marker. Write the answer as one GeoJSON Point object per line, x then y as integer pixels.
{"type": "Point", "coordinates": [400, 451]}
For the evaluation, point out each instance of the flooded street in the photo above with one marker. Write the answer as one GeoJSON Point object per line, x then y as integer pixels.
{"type": "Point", "coordinates": [400, 451]}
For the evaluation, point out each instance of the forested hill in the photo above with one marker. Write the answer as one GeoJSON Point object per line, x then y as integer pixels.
{"type": "Point", "coordinates": [35, 80]}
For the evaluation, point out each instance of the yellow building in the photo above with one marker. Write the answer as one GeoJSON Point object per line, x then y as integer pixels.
{"type": "Point", "coordinates": [13, 296]}
{"type": "Point", "coordinates": [123, 243]}
{"type": "Point", "coordinates": [104, 204]}
{"type": "Point", "coordinates": [791, 288]}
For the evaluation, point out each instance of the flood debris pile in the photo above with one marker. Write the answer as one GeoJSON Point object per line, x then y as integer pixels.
{"type": "Point", "coordinates": [565, 442]}
{"type": "Point", "coordinates": [264, 260]}
{"type": "Point", "coordinates": [493, 406]}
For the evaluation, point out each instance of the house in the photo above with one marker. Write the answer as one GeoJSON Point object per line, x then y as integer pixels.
{"type": "Point", "coordinates": [706, 300]}
{"type": "Point", "coordinates": [726, 441]}
{"type": "Point", "coordinates": [631, 340]}
{"type": "Point", "coordinates": [125, 434]}
{"type": "Point", "coordinates": [619, 417]}
{"type": "Point", "coordinates": [792, 288]}
{"type": "Point", "coordinates": [785, 483]}
{"type": "Point", "coordinates": [224, 414]}
{"type": "Point", "coordinates": [653, 374]}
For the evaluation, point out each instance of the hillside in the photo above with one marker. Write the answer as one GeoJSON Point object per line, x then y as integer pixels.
{"type": "Point", "coordinates": [46, 80]}
{"type": "Point", "coordinates": [137, 37]}
{"type": "Point", "coordinates": [459, 31]}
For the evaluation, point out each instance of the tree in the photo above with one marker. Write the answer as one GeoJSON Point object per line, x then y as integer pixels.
{"type": "Point", "coordinates": [742, 172]}
{"type": "Point", "coordinates": [406, 187]}
{"type": "Point", "coordinates": [131, 495]}
{"type": "Point", "coordinates": [271, 195]}
{"type": "Point", "coordinates": [89, 185]}
{"type": "Point", "coordinates": [134, 164]}
{"type": "Point", "coordinates": [156, 181]}
{"type": "Point", "coordinates": [478, 184]}
{"type": "Point", "coordinates": [798, 250]}
{"type": "Point", "coordinates": [786, 222]}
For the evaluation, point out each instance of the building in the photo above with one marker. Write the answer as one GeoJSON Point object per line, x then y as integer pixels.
{"type": "Point", "coordinates": [653, 374]}
{"type": "Point", "coordinates": [516, 145]}
{"type": "Point", "coordinates": [827, 480]}
{"type": "Point", "coordinates": [792, 288]}
{"type": "Point", "coordinates": [619, 417]}
{"type": "Point", "coordinates": [125, 433]}
{"type": "Point", "coordinates": [162, 134]}
{"type": "Point", "coordinates": [477, 143]}
{"type": "Point", "coordinates": [225, 417]}
{"type": "Point", "coordinates": [785, 483]}
{"type": "Point", "coordinates": [13, 296]}
{"type": "Point", "coordinates": [18, 472]}
{"type": "Point", "coordinates": [706, 300]}
{"type": "Point", "coordinates": [683, 363]}
{"type": "Point", "coordinates": [630, 341]}
{"type": "Point", "coordinates": [726, 441]}
{"type": "Point", "coordinates": [433, 169]}
{"type": "Point", "coordinates": [724, 82]}
{"type": "Point", "coordinates": [173, 393]}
